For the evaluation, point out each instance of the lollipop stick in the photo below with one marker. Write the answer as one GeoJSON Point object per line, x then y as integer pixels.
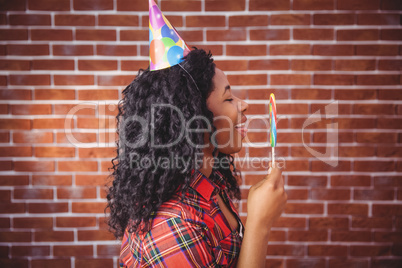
{"type": "Point", "coordinates": [273, 156]}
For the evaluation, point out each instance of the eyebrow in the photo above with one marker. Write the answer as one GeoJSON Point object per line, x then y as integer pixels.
{"type": "Point", "coordinates": [226, 88]}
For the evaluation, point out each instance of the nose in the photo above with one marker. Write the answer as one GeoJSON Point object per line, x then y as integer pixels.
{"type": "Point", "coordinates": [243, 106]}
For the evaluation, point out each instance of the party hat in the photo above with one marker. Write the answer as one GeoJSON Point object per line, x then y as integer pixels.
{"type": "Point", "coordinates": [166, 47]}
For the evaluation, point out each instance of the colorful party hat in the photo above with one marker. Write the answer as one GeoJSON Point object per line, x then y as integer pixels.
{"type": "Point", "coordinates": [166, 47]}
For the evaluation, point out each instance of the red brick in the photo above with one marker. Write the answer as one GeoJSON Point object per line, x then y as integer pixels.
{"type": "Point", "coordinates": [390, 65]}
{"type": "Point", "coordinates": [14, 180]}
{"type": "Point", "coordinates": [350, 94]}
{"type": "Point", "coordinates": [304, 208]}
{"type": "Point", "coordinates": [285, 250]}
{"type": "Point", "coordinates": [290, 19]}
{"type": "Point", "coordinates": [327, 250]}
{"type": "Point", "coordinates": [15, 236]}
{"type": "Point", "coordinates": [391, 5]}
{"type": "Point", "coordinates": [268, 65]}
{"type": "Point", "coordinates": [272, 34]}
{"type": "Point", "coordinates": [232, 65]}
{"type": "Point", "coordinates": [328, 223]}
{"type": "Point", "coordinates": [380, 109]}
{"type": "Point", "coordinates": [313, 263]}
{"type": "Point", "coordinates": [378, 19]}
{"type": "Point", "coordinates": [95, 35]}
{"type": "Point", "coordinates": [311, 65]}
{"type": "Point", "coordinates": [97, 65]}
{"type": "Point", "coordinates": [348, 209]}
{"type": "Point", "coordinates": [54, 94]}
{"type": "Point", "coordinates": [357, 35]}
{"type": "Point", "coordinates": [48, 5]}
{"type": "Point", "coordinates": [73, 80]}
{"type": "Point", "coordinates": [15, 65]}
{"type": "Point", "coordinates": [49, 236]}
{"type": "Point", "coordinates": [333, 50]}
{"type": "Point", "coordinates": [388, 236]}
{"type": "Point", "coordinates": [313, 34]}
{"type": "Point", "coordinates": [358, 5]}
{"type": "Point", "coordinates": [244, 21]}
{"type": "Point", "coordinates": [356, 151]}
{"type": "Point", "coordinates": [47, 207]}
{"type": "Point", "coordinates": [76, 193]}
{"type": "Point", "coordinates": [313, 4]}
{"type": "Point", "coordinates": [351, 236]}
{"type": "Point", "coordinates": [136, 35]}
{"type": "Point", "coordinates": [356, 123]}
{"type": "Point", "coordinates": [133, 65]}
{"type": "Point", "coordinates": [369, 250]}
{"type": "Point", "coordinates": [302, 94]}
{"type": "Point", "coordinates": [48, 263]}
{"type": "Point", "coordinates": [66, 222]}
{"type": "Point", "coordinates": [13, 34]}
{"type": "Point", "coordinates": [35, 223]}
{"type": "Point", "coordinates": [33, 166]}
{"type": "Point", "coordinates": [369, 223]}
{"type": "Point", "coordinates": [80, 137]}
{"type": "Point", "coordinates": [373, 194]}
{"type": "Point", "coordinates": [108, 250]}
{"type": "Point", "coordinates": [226, 35]}
{"type": "Point", "coordinates": [91, 180]}
{"type": "Point", "coordinates": [132, 5]}
{"type": "Point", "coordinates": [355, 65]}
{"type": "Point", "coordinates": [391, 34]}
{"type": "Point", "coordinates": [387, 210]}
{"type": "Point", "coordinates": [334, 19]}
{"type": "Point", "coordinates": [374, 166]}
{"type": "Point", "coordinates": [333, 79]}
{"type": "Point", "coordinates": [78, 166]}
{"type": "Point", "coordinates": [116, 50]}
{"type": "Point", "coordinates": [33, 79]}
{"type": "Point", "coordinates": [297, 49]}
{"type": "Point", "coordinates": [300, 235]}
{"type": "Point", "coordinates": [118, 20]}
{"type": "Point", "coordinates": [391, 151]}
{"type": "Point", "coordinates": [72, 50]}
{"type": "Point", "coordinates": [93, 262]}
{"type": "Point", "coordinates": [12, 208]}
{"type": "Point", "coordinates": [95, 235]}
{"type": "Point", "coordinates": [51, 180]}
{"type": "Point", "coordinates": [4, 137]}
{"type": "Point", "coordinates": [13, 5]}
{"type": "Point", "coordinates": [377, 50]}
{"type": "Point", "coordinates": [93, 4]}
{"type": "Point", "coordinates": [15, 124]}
{"type": "Point", "coordinates": [290, 79]}
{"type": "Point", "coordinates": [258, 5]}
{"type": "Point", "coordinates": [74, 20]}
{"type": "Point", "coordinates": [76, 109]}
{"type": "Point", "coordinates": [378, 79]}
{"type": "Point", "coordinates": [53, 65]}
{"type": "Point", "coordinates": [27, 50]}
{"type": "Point", "coordinates": [51, 35]}
{"type": "Point", "coordinates": [88, 207]}
{"type": "Point", "coordinates": [246, 50]}
{"type": "Point", "coordinates": [97, 152]}
{"type": "Point", "coordinates": [330, 194]}
{"type": "Point", "coordinates": [33, 194]}
{"type": "Point", "coordinates": [47, 123]}
{"type": "Point", "coordinates": [73, 250]}
{"type": "Point", "coordinates": [251, 79]}
{"type": "Point", "coordinates": [54, 152]}
{"type": "Point", "coordinates": [205, 21]}
{"type": "Point", "coordinates": [177, 5]}
{"type": "Point", "coordinates": [29, 19]}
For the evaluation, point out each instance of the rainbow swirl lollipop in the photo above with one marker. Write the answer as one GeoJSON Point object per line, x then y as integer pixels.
{"type": "Point", "coordinates": [272, 122]}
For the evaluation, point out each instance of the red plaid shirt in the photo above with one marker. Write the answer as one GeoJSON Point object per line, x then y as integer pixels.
{"type": "Point", "coordinates": [189, 233]}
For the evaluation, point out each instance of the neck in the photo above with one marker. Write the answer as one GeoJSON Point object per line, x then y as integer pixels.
{"type": "Point", "coordinates": [207, 161]}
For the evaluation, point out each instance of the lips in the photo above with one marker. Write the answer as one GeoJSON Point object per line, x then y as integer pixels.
{"type": "Point", "coordinates": [241, 128]}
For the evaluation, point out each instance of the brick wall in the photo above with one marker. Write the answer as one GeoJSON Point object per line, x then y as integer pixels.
{"type": "Point", "coordinates": [313, 54]}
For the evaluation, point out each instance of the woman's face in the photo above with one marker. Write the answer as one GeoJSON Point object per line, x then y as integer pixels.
{"type": "Point", "coordinates": [229, 118]}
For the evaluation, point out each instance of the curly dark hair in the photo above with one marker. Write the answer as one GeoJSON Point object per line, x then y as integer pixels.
{"type": "Point", "coordinates": [137, 192]}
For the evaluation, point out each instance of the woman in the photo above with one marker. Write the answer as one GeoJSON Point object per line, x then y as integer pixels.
{"type": "Point", "coordinates": [180, 214]}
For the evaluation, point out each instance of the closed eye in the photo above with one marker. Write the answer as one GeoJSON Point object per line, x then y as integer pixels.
{"type": "Point", "coordinates": [228, 99]}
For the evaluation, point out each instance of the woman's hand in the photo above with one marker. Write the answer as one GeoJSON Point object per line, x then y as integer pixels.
{"type": "Point", "coordinates": [266, 201]}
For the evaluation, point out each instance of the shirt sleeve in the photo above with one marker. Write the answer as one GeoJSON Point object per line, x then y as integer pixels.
{"type": "Point", "coordinates": [176, 243]}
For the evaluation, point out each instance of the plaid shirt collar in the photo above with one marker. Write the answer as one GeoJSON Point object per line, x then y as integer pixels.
{"type": "Point", "coordinates": [208, 186]}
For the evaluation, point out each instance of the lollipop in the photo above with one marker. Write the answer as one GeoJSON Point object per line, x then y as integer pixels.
{"type": "Point", "coordinates": [272, 122]}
